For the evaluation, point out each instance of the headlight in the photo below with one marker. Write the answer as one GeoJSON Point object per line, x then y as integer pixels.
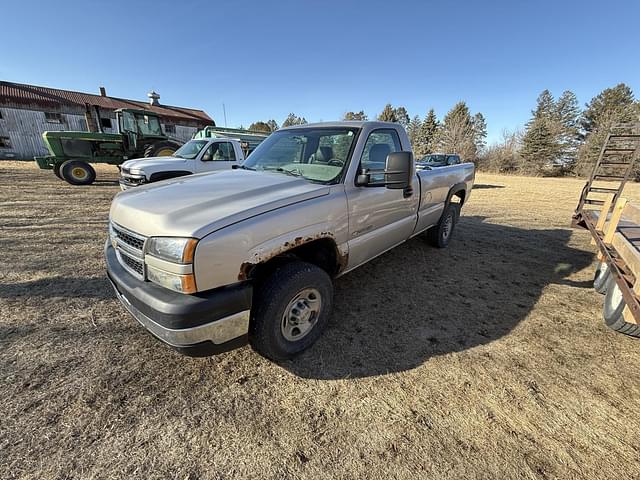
{"type": "Point", "coordinates": [172, 249]}
{"type": "Point", "coordinates": [172, 281]}
{"type": "Point", "coordinates": [112, 235]}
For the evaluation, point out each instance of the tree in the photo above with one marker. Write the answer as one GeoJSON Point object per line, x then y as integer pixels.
{"type": "Point", "coordinates": [402, 117]}
{"type": "Point", "coordinates": [388, 114]}
{"type": "Point", "coordinates": [273, 125]}
{"type": "Point", "coordinates": [479, 131]}
{"type": "Point", "coordinates": [293, 119]}
{"type": "Point", "coordinates": [260, 127]}
{"type": "Point", "coordinates": [457, 134]}
{"type": "Point", "coordinates": [355, 116]}
{"type": "Point", "coordinates": [611, 106]}
{"type": "Point", "coordinates": [539, 145]}
{"type": "Point", "coordinates": [568, 120]}
{"type": "Point", "coordinates": [427, 137]}
{"type": "Point", "coordinates": [413, 131]}
{"type": "Point", "coordinates": [504, 156]}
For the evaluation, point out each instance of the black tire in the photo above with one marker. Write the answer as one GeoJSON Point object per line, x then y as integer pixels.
{"type": "Point", "coordinates": [440, 235]}
{"type": "Point", "coordinates": [601, 277]}
{"type": "Point", "coordinates": [161, 149]}
{"type": "Point", "coordinates": [274, 297]}
{"type": "Point", "coordinates": [56, 170]}
{"type": "Point", "coordinates": [613, 309]}
{"type": "Point", "coordinates": [77, 172]}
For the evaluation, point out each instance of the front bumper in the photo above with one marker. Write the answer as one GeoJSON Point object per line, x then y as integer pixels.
{"type": "Point", "coordinates": [127, 182]}
{"type": "Point", "coordinates": [201, 324]}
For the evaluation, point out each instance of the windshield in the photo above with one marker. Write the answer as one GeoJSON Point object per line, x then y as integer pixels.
{"type": "Point", "coordinates": [435, 160]}
{"type": "Point", "coordinates": [316, 154]}
{"type": "Point", "coordinates": [191, 149]}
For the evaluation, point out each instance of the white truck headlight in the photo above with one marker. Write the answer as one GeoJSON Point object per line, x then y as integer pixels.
{"type": "Point", "coordinates": [172, 249]}
{"type": "Point", "coordinates": [175, 252]}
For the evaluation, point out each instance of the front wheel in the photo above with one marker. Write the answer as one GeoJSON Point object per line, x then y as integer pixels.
{"type": "Point", "coordinates": [56, 170]}
{"type": "Point", "coordinates": [291, 310]}
{"type": "Point", "coordinates": [77, 172]}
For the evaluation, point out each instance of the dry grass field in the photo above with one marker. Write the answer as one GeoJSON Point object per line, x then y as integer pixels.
{"type": "Point", "coordinates": [485, 360]}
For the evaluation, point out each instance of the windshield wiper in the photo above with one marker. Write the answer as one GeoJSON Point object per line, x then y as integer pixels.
{"type": "Point", "coordinates": [177, 155]}
{"type": "Point", "coordinates": [244, 167]}
{"type": "Point", "coordinates": [294, 172]}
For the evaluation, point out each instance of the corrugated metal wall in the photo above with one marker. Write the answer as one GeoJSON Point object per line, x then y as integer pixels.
{"type": "Point", "coordinates": [25, 127]}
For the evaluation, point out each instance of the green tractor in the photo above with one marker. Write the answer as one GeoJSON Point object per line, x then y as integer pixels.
{"type": "Point", "coordinates": [71, 153]}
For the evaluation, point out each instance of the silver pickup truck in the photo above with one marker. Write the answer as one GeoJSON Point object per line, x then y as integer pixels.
{"type": "Point", "coordinates": [210, 261]}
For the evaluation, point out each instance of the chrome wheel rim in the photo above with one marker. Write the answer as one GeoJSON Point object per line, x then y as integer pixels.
{"type": "Point", "coordinates": [301, 314]}
{"type": "Point", "coordinates": [447, 226]}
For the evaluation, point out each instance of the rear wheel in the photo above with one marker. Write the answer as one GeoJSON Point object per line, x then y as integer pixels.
{"type": "Point", "coordinates": [77, 172]}
{"type": "Point", "coordinates": [613, 310]}
{"type": "Point", "coordinates": [440, 235]}
{"type": "Point", "coordinates": [291, 310]}
{"type": "Point", "coordinates": [161, 149]}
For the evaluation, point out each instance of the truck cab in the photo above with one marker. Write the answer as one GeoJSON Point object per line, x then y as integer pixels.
{"type": "Point", "coordinates": [200, 155]}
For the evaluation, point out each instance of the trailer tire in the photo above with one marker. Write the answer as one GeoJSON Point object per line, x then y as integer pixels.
{"type": "Point", "coordinates": [601, 277]}
{"type": "Point", "coordinates": [56, 170]}
{"type": "Point", "coordinates": [161, 149]}
{"type": "Point", "coordinates": [440, 235]}
{"type": "Point", "coordinates": [295, 300]}
{"type": "Point", "coordinates": [613, 311]}
{"type": "Point", "coordinates": [77, 172]}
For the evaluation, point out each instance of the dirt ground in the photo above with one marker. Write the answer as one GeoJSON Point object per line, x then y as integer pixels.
{"type": "Point", "coordinates": [485, 360]}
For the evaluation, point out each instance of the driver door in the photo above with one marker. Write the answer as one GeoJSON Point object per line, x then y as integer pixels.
{"type": "Point", "coordinates": [217, 156]}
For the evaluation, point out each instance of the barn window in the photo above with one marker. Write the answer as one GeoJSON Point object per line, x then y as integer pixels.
{"type": "Point", "coordinates": [169, 128]}
{"type": "Point", "coordinates": [105, 122]}
{"type": "Point", "coordinates": [5, 142]}
{"type": "Point", "coordinates": [53, 117]}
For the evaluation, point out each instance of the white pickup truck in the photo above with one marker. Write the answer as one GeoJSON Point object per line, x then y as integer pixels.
{"type": "Point", "coordinates": [195, 156]}
{"type": "Point", "coordinates": [208, 262]}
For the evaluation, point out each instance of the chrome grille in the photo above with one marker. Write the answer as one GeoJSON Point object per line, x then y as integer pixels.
{"type": "Point", "coordinates": [129, 250]}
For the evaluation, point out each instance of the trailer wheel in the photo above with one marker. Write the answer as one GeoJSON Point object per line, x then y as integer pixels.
{"type": "Point", "coordinates": [77, 172]}
{"type": "Point", "coordinates": [291, 310]}
{"type": "Point", "coordinates": [56, 170]}
{"type": "Point", "coordinates": [440, 235]}
{"type": "Point", "coordinates": [161, 149]}
{"type": "Point", "coordinates": [613, 311]}
{"type": "Point", "coordinates": [601, 277]}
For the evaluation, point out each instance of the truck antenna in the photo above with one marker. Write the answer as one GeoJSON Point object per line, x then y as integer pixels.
{"type": "Point", "coordinates": [224, 111]}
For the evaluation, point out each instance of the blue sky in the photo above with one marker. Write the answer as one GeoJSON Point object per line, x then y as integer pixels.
{"type": "Point", "coordinates": [320, 59]}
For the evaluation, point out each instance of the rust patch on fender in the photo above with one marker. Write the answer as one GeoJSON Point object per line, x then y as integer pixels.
{"type": "Point", "coordinates": [262, 257]}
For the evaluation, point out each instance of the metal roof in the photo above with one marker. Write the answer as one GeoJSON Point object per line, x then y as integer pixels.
{"type": "Point", "coordinates": [45, 97]}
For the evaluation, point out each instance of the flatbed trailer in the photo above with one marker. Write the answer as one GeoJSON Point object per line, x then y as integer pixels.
{"type": "Point", "coordinates": [614, 224]}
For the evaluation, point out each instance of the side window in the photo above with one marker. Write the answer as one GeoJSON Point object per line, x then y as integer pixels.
{"type": "Point", "coordinates": [453, 160]}
{"type": "Point", "coordinates": [222, 152]}
{"type": "Point", "coordinates": [379, 144]}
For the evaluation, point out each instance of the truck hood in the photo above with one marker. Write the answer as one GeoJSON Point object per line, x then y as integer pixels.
{"type": "Point", "coordinates": [153, 164]}
{"type": "Point", "coordinates": [197, 205]}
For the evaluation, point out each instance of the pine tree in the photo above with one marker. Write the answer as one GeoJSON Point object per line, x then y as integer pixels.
{"type": "Point", "coordinates": [402, 117]}
{"type": "Point", "coordinates": [388, 114]}
{"type": "Point", "coordinates": [539, 145]}
{"type": "Point", "coordinates": [413, 131]}
{"type": "Point", "coordinates": [568, 118]}
{"type": "Point", "coordinates": [293, 119]}
{"type": "Point", "coordinates": [355, 116]}
{"type": "Point", "coordinates": [545, 107]}
{"type": "Point", "coordinates": [428, 133]}
{"type": "Point", "coordinates": [479, 132]}
{"type": "Point", "coordinates": [611, 106]}
{"type": "Point", "coordinates": [457, 134]}
{"type": "Point", "coordinates": [273, 125]}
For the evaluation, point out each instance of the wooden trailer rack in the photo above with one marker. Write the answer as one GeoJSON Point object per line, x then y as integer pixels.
{"type": "Point", "coordinates": [614, 224]}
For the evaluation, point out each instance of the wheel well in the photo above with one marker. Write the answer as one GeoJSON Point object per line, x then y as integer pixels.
{"type": "Point", "coordinates": [321, 252]}
{"type": "Point", "coordinates": [458, 197]}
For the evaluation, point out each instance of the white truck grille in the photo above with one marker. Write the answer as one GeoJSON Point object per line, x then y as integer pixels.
{"type": "Point", "coordinates": [129, 250]}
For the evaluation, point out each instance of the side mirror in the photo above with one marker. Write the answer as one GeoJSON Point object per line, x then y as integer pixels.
{"type": "Point", "coordinates": [206, 157]}
{"type": "Point", "coordinates": [398, 170]}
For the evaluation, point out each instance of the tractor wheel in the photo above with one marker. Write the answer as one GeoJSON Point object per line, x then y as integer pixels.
{"type": "Point", "coordinates": [161, 149]}
{"type": "Point", "coordinates": [77, 172]}
{"type": "Point", "coordinates": [56, 170]}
